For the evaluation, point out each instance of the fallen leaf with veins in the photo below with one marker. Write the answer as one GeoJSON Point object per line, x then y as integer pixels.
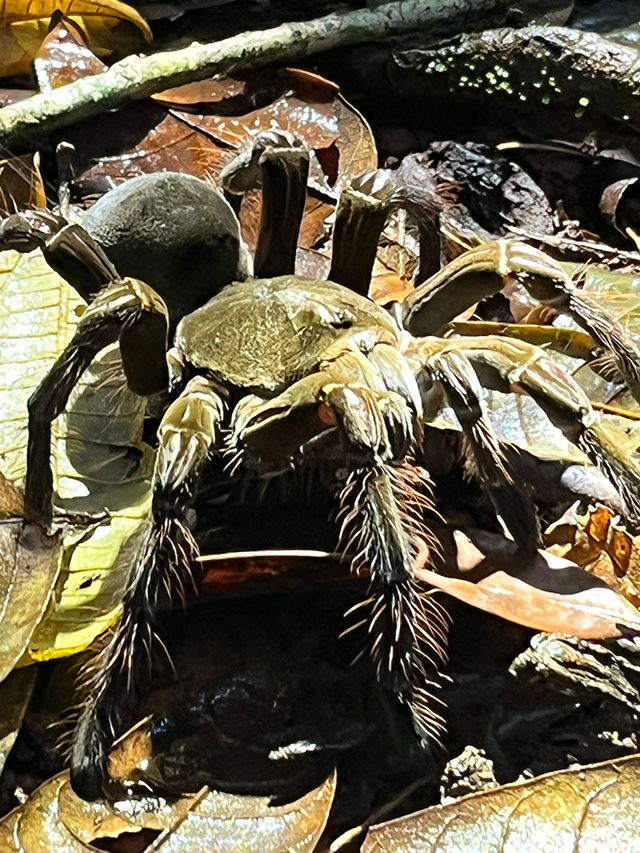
{"type": "Point", "coordinates": [572, 811]}
{"type": "Point", "coordinates": [54, 818]}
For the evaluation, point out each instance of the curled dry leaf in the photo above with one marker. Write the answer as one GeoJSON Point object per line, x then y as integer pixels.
{"type": "Point", "coordinates": [572, 811]}
{"type": "Point", "coordinates": [111, 27]}
{"type": "Point", "coordinates": [21, 185]}
{"type": "Point", "coordinates": [54, 818]}
{"type": "Point", "coordinates": [599, 543]}
{"type": "Point", "coordinates": [619, 204]}
{"type": "Point", "coordinates": [524, 592]}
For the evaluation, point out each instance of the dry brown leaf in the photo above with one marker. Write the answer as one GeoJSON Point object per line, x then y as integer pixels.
{"type": "Point", "coordinates": [590, 809]}
{"type": "Point", "coordinates": [200, 127]}
{"type": "Point", "coordinates": [599, 543]}
{"type": "Point", "coordinates": [591, 614]}
{"type": "Point", "coordinates": [15, 692]}
{"type": "Point", "coordinates": [64, 57]}
{"type": "Point", "coordinates": [29, 566]}
{"type": "Point", "coordinates": [110, 26]}
{"type": "Point", "coordinates": [21, 185]}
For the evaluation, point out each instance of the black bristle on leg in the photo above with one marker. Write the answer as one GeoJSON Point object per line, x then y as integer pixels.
{"type": "Point", "coordinates": [162, 573]}
{"type": "Point", "coordinates": [382, 510]}
{"type": "Point", "coordinates": [122, 670]}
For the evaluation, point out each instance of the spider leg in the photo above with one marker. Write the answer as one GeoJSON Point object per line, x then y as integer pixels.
{"type": "Point", "coordinates": [382, 504]}
{"type": "Point", "coordinates": [380, 384]}
{"type": "Point", "coordinates": [278, 163]}
{"type": "Point", "coordinates": [128, 310]}
{"type": "Point", "coordinates": [162, 572]}
{"type": "Point", "coordinates": [361, 213]}
{"type": "Point", "coordinates": [382, 509]}
{"type": "Point", "coordinates": [515, 365]}
{"type": "Point", "coordinates": [479, 273]}
{"type": "Point", "coordinates": [66, 247]}
{"type": "Point", "coordinates": [464, 394]}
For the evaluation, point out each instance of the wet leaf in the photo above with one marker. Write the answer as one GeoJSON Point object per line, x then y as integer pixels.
{"type": "Point", "coordinates": [21, 186]}
{"type": "Point", "coordinates": [231, 110]}
{"type": "Point", "coordinates": [111, 27]}
{"type": "Point", "coordinates": [168, 132]}
{"type": "Point", "coordinates": [590, 808]}
{"type": "Point", "coordinates": [64, 56]}
{"type": "Point", "coordinates": [54, 818]}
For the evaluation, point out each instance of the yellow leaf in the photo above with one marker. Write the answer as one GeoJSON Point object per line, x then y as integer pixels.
{"type": "Point", "coordinates": [111, 27]}
{"type": "Point", "coordinates": [99, 460]}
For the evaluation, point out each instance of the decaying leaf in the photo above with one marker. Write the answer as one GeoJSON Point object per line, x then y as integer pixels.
{"type": "Point", "coordinates": [111, 27]}
{"type": "Point", "coordinates": [590, 665]}
{"type": "Point", "coordinates": [598, 542]}
{"type": "Point", "coordinates": [15, 692]}
{"type": "Point", "coordinates": [28, 571]}
{"type": "Point", "coordinates": [21, 186]}
{"type": "Point", "coordinates": [572, 811]}
{"type": "Point", "coordinates": [54, 818]}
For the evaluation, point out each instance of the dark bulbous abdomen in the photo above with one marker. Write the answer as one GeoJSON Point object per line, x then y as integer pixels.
{"type": "Point", "coordinates": [175, 233]}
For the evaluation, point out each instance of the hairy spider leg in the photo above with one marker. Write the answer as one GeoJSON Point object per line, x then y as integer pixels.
{"type": "Point", "coordinates": [480, 272]}
{"type": "Point", "coordinates": [162, 574]}
{"type": "Point", "coordinates": [515, 365]}
{"type": "Point", "coordinates": [127, 310]}
{"type": "Point", "coordinates": [383, 502]}
{"type": "Point", "coordinates": [464, 393]}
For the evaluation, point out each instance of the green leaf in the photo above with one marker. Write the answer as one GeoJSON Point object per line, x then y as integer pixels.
{"type": "Point", "coordinates": [100, 464]}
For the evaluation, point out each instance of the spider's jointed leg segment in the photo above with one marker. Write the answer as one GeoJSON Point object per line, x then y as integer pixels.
{"type": "Point", "coordinates": [464, 394]}
{"type": "Point", "coordinates": [128, 310]}
{"type": "Point", "coordinates": [382, 504]}
{"type": "Point", "coordinates": [162, 573]}
{"type": "Point", "coordinates": [382, 512]}
{"type": "Point", "coordinates": [512, 364]}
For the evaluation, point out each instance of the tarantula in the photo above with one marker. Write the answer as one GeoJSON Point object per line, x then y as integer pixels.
{"type": "Point", "coordinates": [280, 372]}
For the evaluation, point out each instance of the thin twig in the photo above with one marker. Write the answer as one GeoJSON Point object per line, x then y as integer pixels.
{"type": "Point", "coordinates": [25, 123]}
